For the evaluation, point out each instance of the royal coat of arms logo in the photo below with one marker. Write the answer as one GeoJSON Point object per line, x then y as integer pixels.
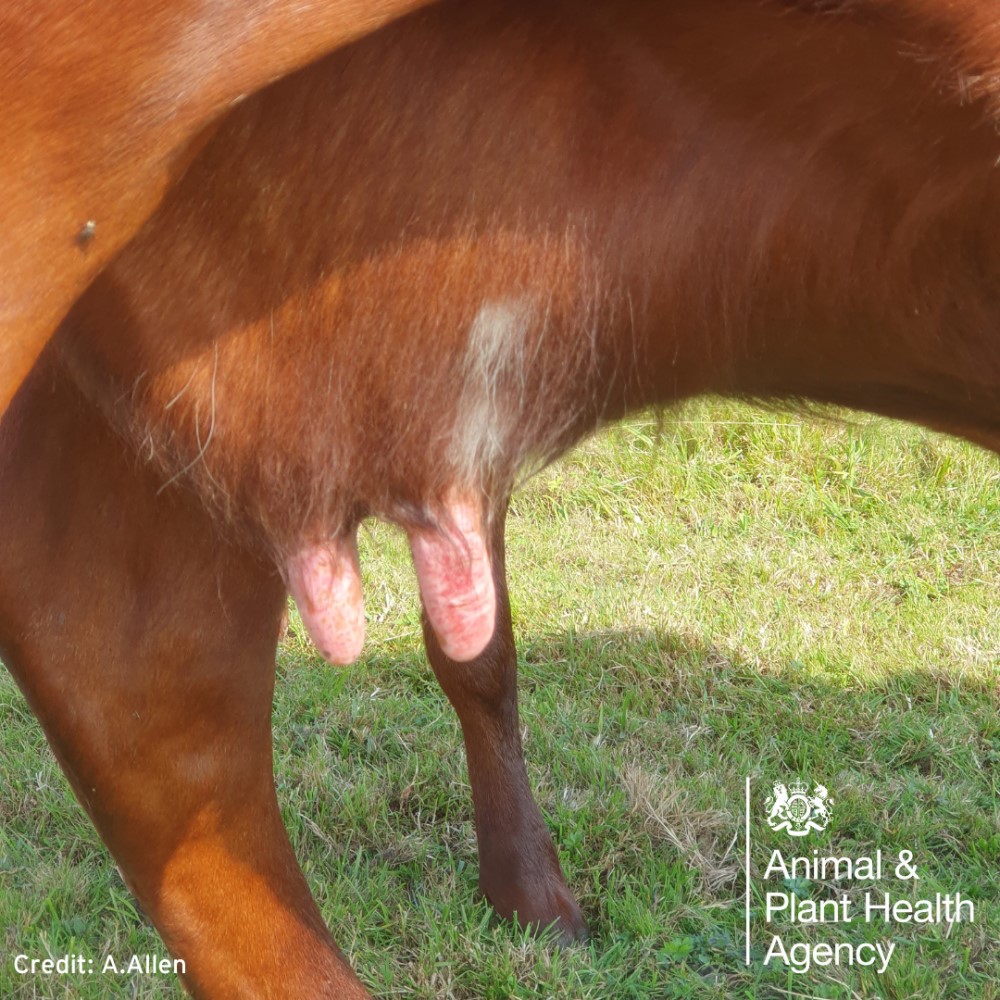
{"type": "Point", "coordinates": [797, 810]}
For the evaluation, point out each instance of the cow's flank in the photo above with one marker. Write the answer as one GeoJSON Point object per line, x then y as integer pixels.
{"type": "Point", "coordinates": [104, 105]}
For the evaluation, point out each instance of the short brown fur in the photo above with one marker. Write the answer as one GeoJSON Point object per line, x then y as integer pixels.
{"type": "Point", "coordinates": [104, 103]}
{"type": "Point", "coordinates": [669, 214]}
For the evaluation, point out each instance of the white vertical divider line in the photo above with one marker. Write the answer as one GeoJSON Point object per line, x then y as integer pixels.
{"type": "Point", "coordinates": [747, 867]}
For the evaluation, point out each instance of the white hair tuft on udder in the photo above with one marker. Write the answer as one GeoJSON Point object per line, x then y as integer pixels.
{"type": "Point", "coordinates": [492, 394]}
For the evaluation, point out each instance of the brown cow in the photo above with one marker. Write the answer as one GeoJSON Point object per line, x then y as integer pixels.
{"type": "Point", "coordinates": [101, 105]}
{"type": "Point", "coordinates": [393, 284]}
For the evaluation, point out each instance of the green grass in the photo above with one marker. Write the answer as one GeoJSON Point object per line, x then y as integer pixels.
{"type": "Point", "coordinates": [735, 593]}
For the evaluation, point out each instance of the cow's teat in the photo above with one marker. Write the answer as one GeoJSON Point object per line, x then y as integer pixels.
{"type": "Point", "coordinates": [325, 581]}
{"type": "Point", "coordinates": [456, 580]}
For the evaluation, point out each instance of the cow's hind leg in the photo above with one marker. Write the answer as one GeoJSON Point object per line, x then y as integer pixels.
{"type": "Point", "coordinates": [519, 870]}
{"type": "Point", "coordinates": [145, 644]}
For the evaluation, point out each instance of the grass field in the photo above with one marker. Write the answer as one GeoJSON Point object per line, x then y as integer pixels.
{"type": "Point", "coordinates": [735, 593]}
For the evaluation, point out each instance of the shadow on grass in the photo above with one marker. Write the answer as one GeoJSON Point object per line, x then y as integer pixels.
{"type": "Point", "coordinates": [638, 745]}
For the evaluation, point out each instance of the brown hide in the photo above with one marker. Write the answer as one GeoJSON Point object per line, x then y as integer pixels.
{"type": "Point", "coordinates": [101, 103]}
{"type": "Point", "coordinates": [413, 272]}
{"type": "Point", "coordinates": [378, 284]}
{"type": "Point", "coordinates": [153, 683]}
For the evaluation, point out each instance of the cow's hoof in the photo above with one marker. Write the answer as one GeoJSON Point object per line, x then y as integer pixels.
{"type": "Point", "coordinates": [547, 907]}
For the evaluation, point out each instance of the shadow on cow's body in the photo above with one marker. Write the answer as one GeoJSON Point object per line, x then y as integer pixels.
{"type": "Point", "coordinates": [395, 283]}
{"type": "Point", "coordinates": [104, 105]}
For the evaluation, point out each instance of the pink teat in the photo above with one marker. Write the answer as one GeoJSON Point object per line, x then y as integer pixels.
{"type": "Point", "coordinates": [456, 580]}
{"type": "Point", "coordinates": [325, 582]}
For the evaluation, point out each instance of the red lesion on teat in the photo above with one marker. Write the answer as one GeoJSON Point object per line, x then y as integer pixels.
{"type": "Point", "coordinates": [325, 582]}
{"type": "Point", "coordinates": [453, 567]}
